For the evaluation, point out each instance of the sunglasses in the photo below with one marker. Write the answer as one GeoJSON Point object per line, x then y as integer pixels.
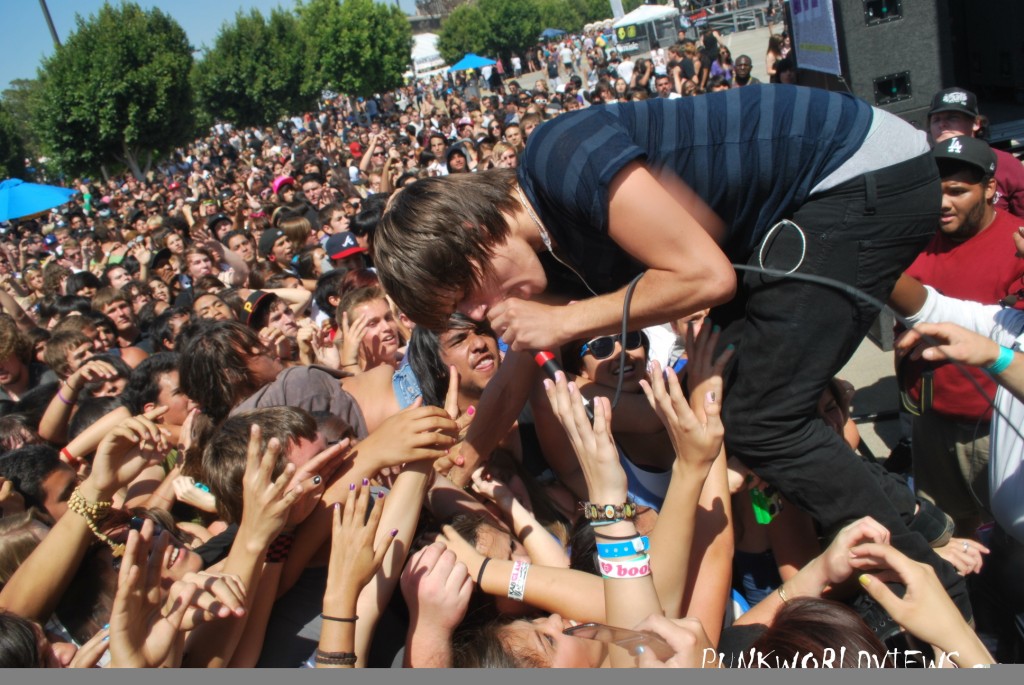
{"type": "Point", "coordinates": [604, 346]}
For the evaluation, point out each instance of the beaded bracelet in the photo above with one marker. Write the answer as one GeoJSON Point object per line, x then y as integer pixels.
{"type": "Point", "coordinates": [629, 568]}
{"type": "Point", "coordinates": [93, 512]}
{"type": "Point", "coordinates": [609, 512]}
{"type": "Point", "coordinates": [335, 658]}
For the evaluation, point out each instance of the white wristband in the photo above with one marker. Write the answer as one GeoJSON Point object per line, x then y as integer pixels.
{"type": "Point", "coordinates": [517, 581]}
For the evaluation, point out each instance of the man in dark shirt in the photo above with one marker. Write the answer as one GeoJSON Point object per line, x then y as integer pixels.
{"type": "Point", "coordinates": [796, 180]}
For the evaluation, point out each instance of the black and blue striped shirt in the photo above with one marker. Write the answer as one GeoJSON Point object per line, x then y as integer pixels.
{"type": "Point", "coordinates": [753, 154]}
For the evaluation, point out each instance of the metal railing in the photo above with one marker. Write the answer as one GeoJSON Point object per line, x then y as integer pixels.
{"type": "Point", "coordinates": [728, 17]}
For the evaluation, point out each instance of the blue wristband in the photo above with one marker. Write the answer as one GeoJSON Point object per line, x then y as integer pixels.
{"type": "Point", "coordinates": [629, 548]}
{"type": "Point", "coordinates": [1002, 362]}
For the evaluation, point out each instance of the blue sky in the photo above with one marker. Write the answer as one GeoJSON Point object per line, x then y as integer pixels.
{"type": "Point", "coordinates": [27, 41]}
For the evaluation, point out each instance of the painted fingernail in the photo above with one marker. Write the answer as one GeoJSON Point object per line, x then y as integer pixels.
{"type": "Point", "coordinates": [351, 487]}
{"type": "Point", "coordinates": [716, 328]}
{"type": "Point", "coordinates": [546, 383]}
{"type": "Point", "coordinates": [864, 579]}
{"type": "Point", "coordinates": [380, 494]}
{"type": "Point", "coordinates": [317, 480]}
{"type": "Point", "coordinates": [471, 410]}
{"type": "Point", "coordinates": [394, 532]}
{"type": "Point", "coordinates": [366, 481]}
{"type": "Point", "coordinates": [730, 347]}
{"type": "Point", "coordinates": [711, 396]}
{"type": "Point", "coordinates": [105, 638]}
{"type": "Point", "coordinates": [337, 506]}
{"type": "Point", "coordinates": [105, 626]}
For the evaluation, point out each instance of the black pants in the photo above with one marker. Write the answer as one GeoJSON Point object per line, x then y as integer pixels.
{"type": "Point", "coordinates": [796, 336]}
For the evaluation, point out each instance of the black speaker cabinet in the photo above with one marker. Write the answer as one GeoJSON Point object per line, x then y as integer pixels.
{"type": "Point", "coordinates": [895, 54]}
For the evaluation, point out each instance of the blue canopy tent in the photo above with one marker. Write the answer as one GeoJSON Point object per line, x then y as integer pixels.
{"type": "Point", "coordinates": [18, 199]}
{"type": "Point", "coordinates": [471, 61]}
{"type": "Point", "coordinates": [548, 34]}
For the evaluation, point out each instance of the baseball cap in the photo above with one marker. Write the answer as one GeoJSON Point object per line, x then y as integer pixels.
{"type": "Point", "coordinates": [967, 150]}
{"type": "Point", "coordinates": [258, 301]}
{"type": "Point", "coordinates": [955, 100]}
{"type": "Point", "coordinates": [162, 256]}
{"type": "Point", "coordinates": [341, 245]}
{"type": "Point", "coordinates": [216, 219]}
{"type": "Point", "coordinates": [280, 182]}
{"type": "Point", "coordinates": [267, 240]}
{"type": "Point", "coordinates": [356, 149]}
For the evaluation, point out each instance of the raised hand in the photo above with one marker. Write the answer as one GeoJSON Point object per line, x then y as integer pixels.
{"type": "Point", "coordinates": [185, 491]}
{"type": "Point", "coordinates": [354, 560]}
{"type": "Point", "coordinates": [93, 370]}
{"type": "Point", "coordinates": [696, 443]}
{"type": "Point", "coordinates": [414, 433]}
{"type": "Point", "coordinates": [137, 442]}
{"type": "Point", "coordinates": [703, 369]}
{"type": "Point", "coordinates": [140, 636]}
{"type": "Point", "coordinates": [266, 500]}
{"type": "Point", "coordinates": [437, 587]}
{"type": "Point", "coordinates": [925, 610]}
{"type": "Point", "coordinates": [351, 339]}
{"type": "Point", "coordinates": [594, 446]}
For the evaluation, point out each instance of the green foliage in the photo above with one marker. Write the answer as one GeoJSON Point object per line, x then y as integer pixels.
{"type": "Point", "coordinates": [598, 10]}
{"type": "Point", "coordinates": [492, 28]}
{"type": "Point", "coordinates": [560, 14]}
{"type": "Point", "coordinates": [12, 150]}
{"type": "Point", "coordinates": [117, 91]}
{"type": "Point", "coordinates": [464, 31]}
{"type": "Point", "coordinates": [251, 76]}
{"type": "Point", "coordinates": [22, 101]}
{"type": "Point", "coordinates": [512, 25]}
{"type": "Point", "coordinates": [595, 10]}
{"type": "Point", "coordinates": [358, 47]}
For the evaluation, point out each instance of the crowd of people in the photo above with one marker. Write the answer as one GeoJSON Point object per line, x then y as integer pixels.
{"type": "Point", "coordinates": [275, 404]}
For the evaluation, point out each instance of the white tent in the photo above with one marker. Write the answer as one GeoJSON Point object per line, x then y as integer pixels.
{"type": "Point", "coordinates": [426, 60]}
{"type": "Point", "coordinates": [646, 13]}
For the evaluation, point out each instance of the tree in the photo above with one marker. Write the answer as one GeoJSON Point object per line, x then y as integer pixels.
{"type": "Point", "coordinates": [251, 76]}
{"type": "Point", "coordinates": [559, 14]}
{"type": "Point", "coordinates": [12, 150]}
{"type": "Point", "coordinates": [512, 25]}
{"type": "Point", "coordinates": [464, 31]}
{"type": "Point", "coordinates": [117, 91]}
{"type": "Point", "coordinates": [22, 100]}
{"type": "Point", "coordinates": [358, 47]}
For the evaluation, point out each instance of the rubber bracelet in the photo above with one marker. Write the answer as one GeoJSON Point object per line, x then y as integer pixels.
{"type": "Point", "coordinates": [339, 620]}
{"type": "Point", "coordinates": [599, 524]}
{"type": "Point", "coordinates": [71, 459]}
{"type": "Point", "coordinates": [517, 581]}
{"type": "Point", "coordinates": [625, 569]}
{"type": "Point", "coordinates": [1004, 360]}
{"type": "Point", "coordinates": [620, 550]}
{"type": "Point", "coordinates": [480, 573]}
{"type": "Point", "coordinates": [68, 402]}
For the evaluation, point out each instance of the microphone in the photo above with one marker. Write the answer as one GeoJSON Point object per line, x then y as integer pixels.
{"type": "Point", "coordinates": [546, 361]}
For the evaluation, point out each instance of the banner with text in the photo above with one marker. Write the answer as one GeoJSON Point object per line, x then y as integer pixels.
{"type": "Point", "coordinates": [814, 35]}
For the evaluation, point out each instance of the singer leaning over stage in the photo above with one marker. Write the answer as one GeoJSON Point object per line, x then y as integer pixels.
{"type": "Point", "coordinates": [678, 190]}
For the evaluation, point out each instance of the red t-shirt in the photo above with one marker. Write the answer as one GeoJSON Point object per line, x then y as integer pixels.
{"type": "Point", "coordinates": [982, 269]}
{"type": "Point", "coordinates": [1010, 183]}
